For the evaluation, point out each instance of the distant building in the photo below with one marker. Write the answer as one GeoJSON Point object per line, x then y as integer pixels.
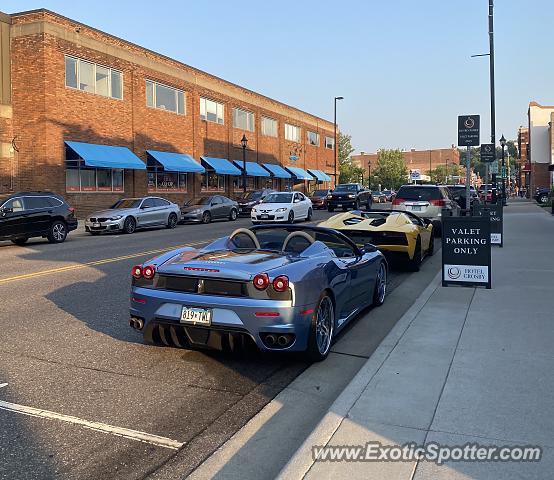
{"type": "Point", "coordinates": [422, 160]}
{"type": "Point", "coordinates": [540, 155]}
{"type": "Point", "coordinates": [524, 165]}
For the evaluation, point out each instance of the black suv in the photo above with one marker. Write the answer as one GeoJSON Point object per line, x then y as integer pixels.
{"type": "Point", "coordinates": [349, 195]}
{"type": "Point", "coordinates": [35, 214]}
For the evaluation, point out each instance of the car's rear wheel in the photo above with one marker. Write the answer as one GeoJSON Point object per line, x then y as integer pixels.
{"type": "Point", "coordinates": [20, 240]}
{"type": "Point", "coordinates": [309, 216]}
{"type": "Point", "coordinates": [233, 215]}
{"type": "Point", "coordinates": [380, 291]}
{"type": "Point", "coordinates": [172, 221]}
{"type": "Point", "coordinates": [415, 262]}
{"type": "Point", "coordinates": [322, 328]}
{"type": "Point", "coordinates": [543, 198]}
{"type": "Point", "coordinates": [206, 217]}
{"type": "Point", "coordinates": [129, 225]}
{"type": "Point", "coordinates": [57, 232]}
{"type": "Point", "coordinates": [291, 217]}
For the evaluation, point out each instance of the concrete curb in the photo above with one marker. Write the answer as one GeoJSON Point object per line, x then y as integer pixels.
{"type": "Point", "coordinates": [299, 465]}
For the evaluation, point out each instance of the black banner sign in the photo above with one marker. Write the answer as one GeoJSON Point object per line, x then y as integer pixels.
{"type": "Point", "coordinates": [468, 130]}
{"type": "Point", "coordinates": [495, 212]}
{"type": "Point", "coordinates": [488, 152]}
{"type": "Point", "coordinates": [466, 251]}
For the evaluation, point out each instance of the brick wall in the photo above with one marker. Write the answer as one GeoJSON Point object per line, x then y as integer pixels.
{"type": "Point", "coordinates": [46, 112]}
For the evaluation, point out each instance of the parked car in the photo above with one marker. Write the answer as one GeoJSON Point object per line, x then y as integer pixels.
{"type": "Point", "coordinates": [426, 201]}
{"type": "Point", "coordinates": [27, 215]}
{"type": "Point", "coordinates": [458, 192]}
{"type": "Point", "coordinates": [210, 207]}
{"type": "Point", "coordinates": [542, 194]}
{"type": "Point", "coordinates": [283, 207]}
{"type": "Point", "coordinates": [319, 198]}
{"type": "Point", "coordinates": [274, 286]}
{"type": "Point", "coordinates": [249, 199]}
{"type": "Point", "coordinates": [389, 194]}
{"type": "Point", "coordinates": [378, 197]}
{"type": "Point", "coordinates": [489, 188]}
{"type": "Point", "coordinates": [351, 195]}
{"type": "Point", "coordinates": [129, 214]}
{"type": "Point", "coordinates": [401, 236]}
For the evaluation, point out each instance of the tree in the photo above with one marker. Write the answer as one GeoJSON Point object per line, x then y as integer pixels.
{"type": "Point", "coordinates": [391, 170]}
{"type": "Point", "coordinates": [348, 172]}
{"type": "Point", "coordinates": [440, 173]}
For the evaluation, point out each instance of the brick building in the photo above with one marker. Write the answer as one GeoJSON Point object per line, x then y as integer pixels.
{"type": "Point", "coordinates": [523, 157]}
{"type": "Point", "coordinates": [422, 160]}
{"type": "Point", "coordinates": [70, 93]}
{"type": "Point", "coordinates": [541, 145]}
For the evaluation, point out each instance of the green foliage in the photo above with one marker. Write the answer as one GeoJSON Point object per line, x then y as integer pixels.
{"type": "Point", "coordinates": [479, 167]}
{"type": "Point", "coordinates": [439, 174]}
{"type": "Point", "coordinates": [348, 171]}
{"type": "Point", "coordinates": [391, 170]}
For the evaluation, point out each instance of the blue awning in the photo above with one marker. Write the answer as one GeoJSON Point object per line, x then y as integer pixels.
{"type": "Point", "coordinates": [106, 156]}
{"type": "Point", "coordinates": [299, 173]}
{"type": "Point", "coordinates": [252, 169]}
{"type": "Point", "coordinates": [319, 175]}
{"type": "Point", "coordinates": [276, 170]}
{"type": "Point", "coordinates": [222, 166]}
{"type": "Point", "coordinates": [177, 162]}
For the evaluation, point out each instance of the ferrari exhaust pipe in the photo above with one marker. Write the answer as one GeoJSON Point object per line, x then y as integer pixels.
{"type": "Point", "coordinates": [282, 341]}
{"type": "Point", "coordinates": [132, 322]}
{"type": "Point", "coordinates": [270, 340]}
{"type": "Point", "coordinates": [139, 323]}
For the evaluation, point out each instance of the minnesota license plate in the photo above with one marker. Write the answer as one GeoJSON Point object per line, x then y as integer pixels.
{"type": "Point", "coordinates": [198, 316]}
{"type": "Point", "coordinates": [415, 208]}
{"type": "Point", "coordinates": [264, 216]}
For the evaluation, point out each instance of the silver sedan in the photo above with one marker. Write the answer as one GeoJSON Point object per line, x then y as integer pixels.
{"type": "Point", "coordinates": [128, 214]}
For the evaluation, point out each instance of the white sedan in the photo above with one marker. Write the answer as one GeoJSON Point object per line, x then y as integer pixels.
{"type": "Point", "coordinates": [283, 207]}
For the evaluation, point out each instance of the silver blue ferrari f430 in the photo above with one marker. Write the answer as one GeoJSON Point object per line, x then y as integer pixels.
{"type": "Point", "coordinates": [285, 288]}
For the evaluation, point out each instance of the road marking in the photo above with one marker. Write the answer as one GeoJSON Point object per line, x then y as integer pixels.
{"type": "Point", "coordinates": [79, 266]}
{"type": "Point", "coordinates": [97, 426]}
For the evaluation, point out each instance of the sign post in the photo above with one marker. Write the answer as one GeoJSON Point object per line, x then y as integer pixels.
{"type": "Point", "coordinates": [468, 136]}
{"type": "Point", "coordinates": [466, 251]}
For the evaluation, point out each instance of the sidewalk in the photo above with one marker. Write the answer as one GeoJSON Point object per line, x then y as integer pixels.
{"type": "Point", "coordinates": [462, 365]}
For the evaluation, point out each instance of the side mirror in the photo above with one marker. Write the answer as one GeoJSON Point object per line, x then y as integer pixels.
{"type": "Point", "coordinates": [369, 248]}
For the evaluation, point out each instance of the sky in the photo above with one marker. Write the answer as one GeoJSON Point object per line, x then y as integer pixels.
{"type": "Point", "coordinates": [402, 66]}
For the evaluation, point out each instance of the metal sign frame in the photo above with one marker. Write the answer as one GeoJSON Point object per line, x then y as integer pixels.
{"type": "Point", "coordinates": [468, 130]}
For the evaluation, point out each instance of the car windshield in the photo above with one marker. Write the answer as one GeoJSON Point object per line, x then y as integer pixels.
{"type": "Point", "coordinates": [251, 196]}
{"type": "Point", "coordinates": [278, 198]}
{"type": "Point", "coordinates": [199, 201]}
{"type": "Point", "coordinates": [320, 193]}
{"type": "Point", "coordinates": [345, 188]}
{"type": "Point", "coordinates": [419, 193]}
{"type": "Point", "coordinates": [127, 203]}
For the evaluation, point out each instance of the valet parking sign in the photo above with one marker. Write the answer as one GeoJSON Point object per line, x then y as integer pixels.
{"type": "Point", "coordinates": [466, 251]}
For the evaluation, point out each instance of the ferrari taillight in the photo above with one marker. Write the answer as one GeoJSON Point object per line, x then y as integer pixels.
{"type": "Point", "coordinates": [281, 283]}
{"type": "Point", "coordinates": [136, 272]}
{"type": "Point", "coordinates": [148, 272]}
{"type": "Point", "coordinates": [261, 281]}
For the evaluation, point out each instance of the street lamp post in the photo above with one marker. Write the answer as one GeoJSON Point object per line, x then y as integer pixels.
{"type": "Point", "coordinates": [503, 144]}
{"type": "Point", "coordinates": [244, 143]}
{"type": "Point", "coordinates": [335, 138]}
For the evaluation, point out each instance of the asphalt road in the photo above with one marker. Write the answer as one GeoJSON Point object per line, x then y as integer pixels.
{"type": "Point", "coordinates": [80, 395]}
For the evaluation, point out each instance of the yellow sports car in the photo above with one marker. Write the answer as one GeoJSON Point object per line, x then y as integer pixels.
{"type": "Point", "coordinates": [401, 235]}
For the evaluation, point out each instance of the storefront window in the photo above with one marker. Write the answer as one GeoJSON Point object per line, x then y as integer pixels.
{"type": "Point", "coordinates": [82, 179]}
{"type": "Point", "coordinates": [250, 183]}
{"type": "Point", "coordinates": [161, 181]}
{"type": "Point", "coordinates": [88, 180]}
{"type": "Point", "coordinates": [104, 178]}
{"type": "Point", "coordinates": [213, 182]}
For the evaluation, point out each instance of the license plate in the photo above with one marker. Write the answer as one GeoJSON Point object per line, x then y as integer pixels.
{"type": "Point", "coordinates": [415, 208]}
{"type": "Point", "coordinates": [96, 225]}
{"type": "Point", "coordinates": [240, 210]}
{"type": "Point", "coordinates": [339, 205]}
{"type": "Point", "coordinates": [264, 216]}
{"type": "Point", "coordinates": [200, 316]}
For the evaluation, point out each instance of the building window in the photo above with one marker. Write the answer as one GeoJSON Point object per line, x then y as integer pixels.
{"type": "Point", "coordinates": [292, 133]}
{"type": "Point", "coordinates": [84, 179]}
{"type": "Point", "coordinates": [211, 111]}
{"type": "Point", "coordinates": [250, 183]}
{"type": "Point", "coordinates": [243, 119]}
{"type": "Point", "coordinates": [212, 182]}
{"type": "Point", "coordinates": [313, 138]}
{"type": "Point", "coordinates": [165, 98]}
{"type": "Point", "coordinates": [329, 143]}
{"type": "Point", "coordinates": [92, 78]}
{"type": "Point", "coordinates": [160, 180]}
{"type": "Point", "coordinates": [269, 127]}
